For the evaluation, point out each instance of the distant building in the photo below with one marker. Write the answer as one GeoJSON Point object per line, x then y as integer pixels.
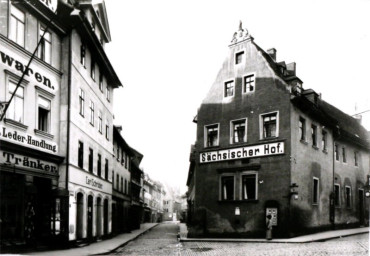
{"type": "Point", "coordinates": [136, 190]}
{"type": "Point", "coordinates": [265, 145]}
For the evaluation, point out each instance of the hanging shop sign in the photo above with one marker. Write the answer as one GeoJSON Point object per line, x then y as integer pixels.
{"type": "Point", "coordinates": [51, 4]}
{"type": "Point", "coordinates": [269, 149]}
{"type": "Point", "coordinates": [18, 137]}
{"type": "Point", "coordinates": [29, 163]}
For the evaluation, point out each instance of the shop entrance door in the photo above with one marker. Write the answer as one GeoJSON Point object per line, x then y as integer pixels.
{"type": "Point", "coordinates": [89, 217]}
{"type": "Point", "coordinates": [43, 208]}
{"type": "Point", "coordinates": [80, 216]}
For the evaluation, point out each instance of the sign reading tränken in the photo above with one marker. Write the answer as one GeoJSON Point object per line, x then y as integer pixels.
{"type": "Point", "coordinates": [269, 149]}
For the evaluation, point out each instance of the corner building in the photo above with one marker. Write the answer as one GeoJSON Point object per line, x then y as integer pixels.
{"type": "Point", "coordinates": [267, 146]}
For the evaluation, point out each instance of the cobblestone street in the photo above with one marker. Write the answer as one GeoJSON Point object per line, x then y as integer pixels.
{"type": "Point", "coordinates": [162, 240]}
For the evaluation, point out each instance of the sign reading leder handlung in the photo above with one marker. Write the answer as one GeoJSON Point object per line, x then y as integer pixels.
{"type": "Point", "coordinates": [269, 149]}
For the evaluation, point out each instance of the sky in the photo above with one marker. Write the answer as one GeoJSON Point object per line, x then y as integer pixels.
{"type": "Point", "coordinates": [167, 54]}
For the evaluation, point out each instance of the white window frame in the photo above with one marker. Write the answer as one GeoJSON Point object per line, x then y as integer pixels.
{"type": "Point", "coordinates": [314, 132]}
{"type": "Point", "coordinates": [221, 189]}
{"type": "Point", "coordinates": [48, 128]}
{"type": "Point", "coordinates": [245, 90]}
{"type": "Point", "coordinates": [241, 184]}
{"type": "Point", "coordinates": [232, 126]}
{"type": "Point", "coordinates": [242, 51]}
{"type": "Point", "coordinates": [81, 102]}
{"type": "Point", "coordinates": [14, 30]}
{"type": "Point", "coordinates": [262, 124]}
{"type": "Point", "coordinates": [317, 191]}
{"type": "Point", "coordinates": [206, 135]}
{"type": "Point", "coordinates": [47, 40]}
{"type": "Point", "coordinates": [12, 78]}
{"type": "Point", "coordinates": [92, 113]}
{"type": "Point", "coordinates": [227, 82]}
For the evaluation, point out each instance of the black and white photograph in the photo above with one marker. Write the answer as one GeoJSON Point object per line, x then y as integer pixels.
{"type": "Point", "coordinates": [180, 128]}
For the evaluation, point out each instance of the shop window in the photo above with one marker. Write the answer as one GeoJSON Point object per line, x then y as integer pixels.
{"type": "Point", "coordinates": [336, 153]}
{"type": "Point", "coordinates": [348, 197]}
{"type": "Point", "coordinates": [45, 45]}
{"type": "Point", "coordinates": [344, 157]}
{"type": "Point", "coordinates": [239, 57]}
{"type": "Point", "coordinates": [249, 186]}
{"type": "Point", "coordinates": [229, 89]}
{"type": "Point", "coordinates": [211, 135]}
{"type": "Point", "coordinates": [99, 165]}
{"type": "Point", "coordinates": [92, 69]}
{"type": "Point", "coordinates": [106, 169]}
{"type": "Point", "coordinates": [314, 135]}
{"type": "Point", "coordinates": [16, 108]}
{"type": "Point", "coordinates": [239, 133]}
{"type": "Point", "coordinates": [302, 129]}
{"type": "Point", "coordinates": [17, 28]}
{"type": "Point", "coordinates": [356, 158]}
{"type": "Point", "coordinates": [270, 125]}
{"type": "Point", "coordinates": [100, 122]}
{"type": "Point", "coordinates": [83, 55]}
{"type": "Point", "coordinates": [324, 141]}
{"type": "Point", "coordinates": [91, 159]}
{"type": "Point", "coordinates": [337, 195]}
{"type": "Point", "coordinates": [315, 191]}
{"type": "Point", "coordinates": [92, 113]}
{"type": "Point", "coordinates": [249, 84]}
{"type": "Point", "coordinates": [81, 95]}
{"type": "Point", "coordinates": [227, 188]}
{"type": "Point", "coordinates": [80, 154]}
{"type": "Point", "coordinates": [44, 106]}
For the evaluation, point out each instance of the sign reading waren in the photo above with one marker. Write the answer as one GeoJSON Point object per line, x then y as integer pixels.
{"type": "Point", "coordinates": [269, 149]}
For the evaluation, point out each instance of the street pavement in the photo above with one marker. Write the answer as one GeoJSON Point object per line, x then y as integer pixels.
{"type": "Point", "coordinates": [164, 239]}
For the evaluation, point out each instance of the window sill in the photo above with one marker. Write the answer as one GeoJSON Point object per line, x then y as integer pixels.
{"type": "Point", "coordinates": [15, 124]}
{"type": "Point", "coordinates": [211, 147]}
{"type": "Point", "coordinates": [44, 134]}
{"type": "Point", "coordinates": [239, 201]}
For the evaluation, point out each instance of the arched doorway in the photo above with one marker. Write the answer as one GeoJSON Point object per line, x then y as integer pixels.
{"type": "Point", "coordinates": [90, 204]}
{"type": "Point", "coordinates": [80, 214]}
{"type": "Point", "coordinates": [98, 217]}
{"type": "Point", "coordinates": [105, 217]}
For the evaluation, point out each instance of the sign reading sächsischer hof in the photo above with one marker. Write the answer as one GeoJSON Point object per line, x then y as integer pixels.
{"type": "Point", "coordinates": [269, 149]}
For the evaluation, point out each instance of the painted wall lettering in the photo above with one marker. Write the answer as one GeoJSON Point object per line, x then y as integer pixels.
{"type": "Point", "coordinates": [93, 182]}
{"type": "Point", "coordinates": [276, 148]}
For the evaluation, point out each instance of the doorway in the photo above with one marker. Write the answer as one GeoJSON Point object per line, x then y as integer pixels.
{"type": "Point", "coordinates": [80, 214]}
{"type": "Point", "coordinates": [90, 204]}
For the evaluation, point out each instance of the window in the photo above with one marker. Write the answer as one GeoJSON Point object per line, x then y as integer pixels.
{"type": "Point", "coordinates": [107, 130]}
{"type": "Point", "coordinates": [323, 141]}
{"type": "Point", "coordinates": [211, 135]}
{"type": "Point", "coordinates": [336, 152]}
{"type": "Point", "coordinates": [16, 29]}
{"type": "Point", "coordinates": [126, 161]}
{"type": "Point", "coordinates": [315, 194]}
{"type": "Point", "coordinates": [108, 93]}
{"type": "Point", "coordinates": [121, 184]}
{"type": "Point", "coordinates": [117, 181]}
{"type": "Point", "coordinates": [83, 55]}
{"type": "Point", "coordinates": [92, 69]}
{"type": "Point", "coordinates": [348, 196]}
{"type": "Point", "coordinates": [227, 188]}
{"type": "Point", "coordinates": [314, 135]}
{"type": "Point", "coordinates": [239, 57]}
{"type": "Point", "coordinates": [100, 122]}
{"type": "Point", "coordinates": [118, 154]}
{"type": "Point", "coordinates": [91, 159]}
{"type": "Point", "coordinates": [126, 190]}
{"type": "Point", "coordinates": [336, 195]}
{"type": "Point", "coordinates": [43, 114]}
{"type": "Point", "coordinates": [249, 83]}
{"type": "Point", "coordinates": [106, 168]}
{"type": "Point", "coordinates": [91, 113]}
{"type": "Point", "coordinates": [302, 129]}
{"type": "Point", "coordinates": [80, 154]}
{"type": "Point", "coordinates": [113, 179]}
{"type": "Point", "coordinates": [100, 80]}
{"type": "Point", "coordinates": [16, 107]}
{"type": "Point", "coordinates": [99, 165]}
{"type": "Point", "coordinates": [82, 101]}
{"type": "Point", "coordinates": [123, 155]}
{"type": "Point", "coordinates": [356, 158]}
{"type": "Point", "coordinates": [344, 154]}
{"type": "Point", "coordinates": [270, 128]}
{"type": "Point", "coordinates": [229, 89]}
{"type": "Point", "coordinates": [45, 45]}
{"type": "Point", "coordinates": [249, 187]}
{"type": "Point", "coordinates": [238, 131]}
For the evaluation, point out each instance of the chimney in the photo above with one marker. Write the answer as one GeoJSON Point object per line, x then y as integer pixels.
{"type": "Point", "coordinates": [272, 53]}
{"type": "Point", "coordinates": [358, 118]}
{"type": "Point", "coordinates": [291, 68]}
{"type": "Point", "coordinates": [119, 128]}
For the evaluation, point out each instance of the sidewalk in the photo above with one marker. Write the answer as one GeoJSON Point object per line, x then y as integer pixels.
{"type": "Point", "coordinates": [300, 239]}
{"type": "Point", "coordinates": [101, 247]}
